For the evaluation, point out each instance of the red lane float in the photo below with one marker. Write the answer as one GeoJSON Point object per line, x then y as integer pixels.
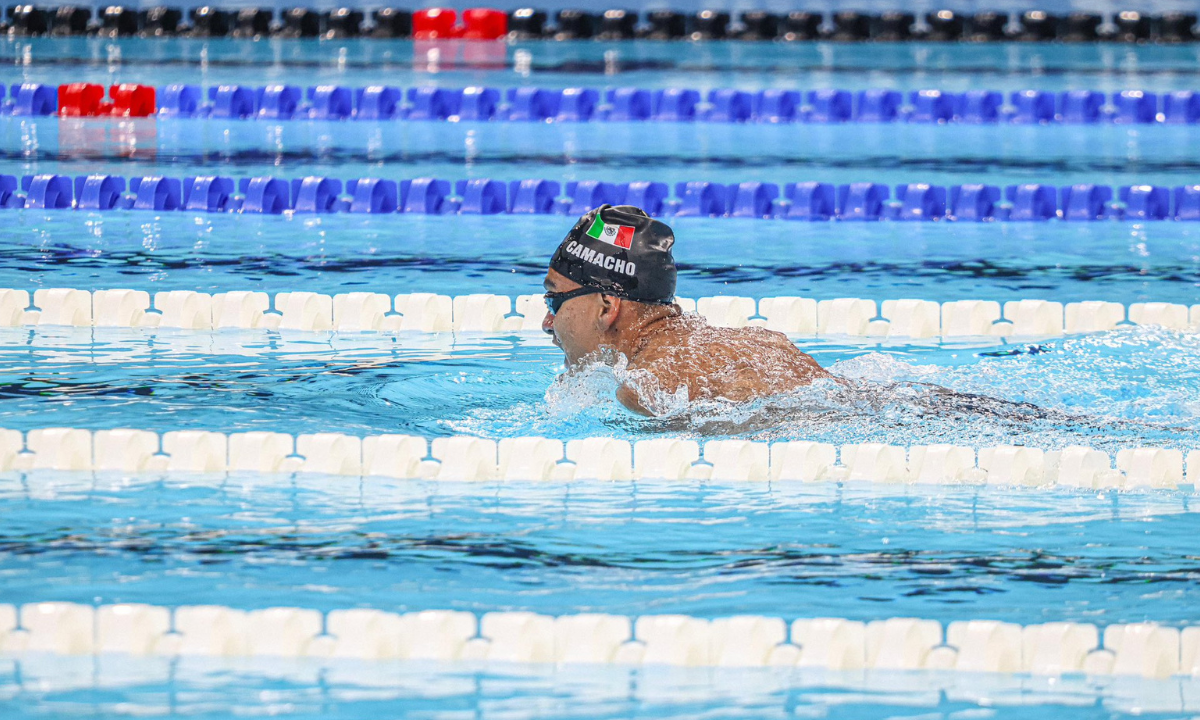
{"type": "Point", "coordinates": [435, 24]}
{"type": "Point", "coordinates": [79, 100]}
{"type": "Point", "coordinates": [477, 24]}
{"type": "Point", "coordinates": [484, 24]}
{"type": "Point", "coordinates": [87, 100]}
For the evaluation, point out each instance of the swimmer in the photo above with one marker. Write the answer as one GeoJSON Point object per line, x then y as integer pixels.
{"type": "Point", "coordinates": [610, 297]}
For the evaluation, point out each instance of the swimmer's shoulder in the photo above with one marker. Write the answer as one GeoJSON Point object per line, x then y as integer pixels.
{"type": "Point", "coordinates": [690, 335]}
{"type": "Point", "coordinates": [764, 336]}
{"type": "Point", "coordinates": [773, 351]}
{"type": "Point", "coordinates": [750, 337]}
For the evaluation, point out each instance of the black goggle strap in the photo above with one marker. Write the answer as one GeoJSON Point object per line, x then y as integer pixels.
{"type": "Point", "coordinates": [555, 300]}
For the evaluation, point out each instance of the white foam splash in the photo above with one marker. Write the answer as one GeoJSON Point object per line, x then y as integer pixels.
{"type": "Point", "coordinates": [880, 367]}
{"type": "Point", "coordinates": [596, 381]}
{"type": "Point", "coordinates": [1132, 386]}
{"type": "Point", "coordinates": [580, 388]}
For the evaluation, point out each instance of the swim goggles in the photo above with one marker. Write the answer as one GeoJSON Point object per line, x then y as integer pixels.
{"type": "Point", "coordinates": [555, 300]}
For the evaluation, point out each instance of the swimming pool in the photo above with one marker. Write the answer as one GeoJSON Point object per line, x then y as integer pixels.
{"type": "Point", "coordinates": [856, 549]}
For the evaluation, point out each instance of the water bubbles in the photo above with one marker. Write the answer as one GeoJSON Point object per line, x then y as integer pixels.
{"type": "Point", "coordinates": [523, 62]}
{"type": "Point", "coordinates": [1133, 386]}
{"type": "Point", "coordinates": [612, 62]}
{"type": "Point", "coordinates": [881, 367]}
{"type": "Point", "coordinates": [580, 389]}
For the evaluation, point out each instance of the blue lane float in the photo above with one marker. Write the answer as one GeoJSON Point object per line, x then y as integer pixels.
{"type": "Point", "coordinates": [920, 201]}
{"type": "Point", "coordinates": [878, 106]}
{"type": "Point", "coordinates": [590, 193]}
{"type": "Point", "coordinates": [155, 193]}
{"type": "Point", "coordinates": [316, 194]}
{"type": "Point", "coordinates": [1085, 202]}
{"type": "Point", "coordinates": [1181, 107]}
{"type": "Point", "coordinates": [1031, 201]}
{"type": "Point", "coordinates": [378, 102]}
{"type": "Point", "coordinates": [1080, 107]}
{"type": "Point", "coordinates": [932, 106]}
{"type": "Point", "coordinates": [98, 192]}
{"type": "Point", "coordinates": [9, 197]}
{"type": "Point", "coordinates": [979, 107]}
{"type": "Point", "coordinates": [973, 202]}
{"type": "Point", "coordinates": [209, 194]}
{"type": "Point", "coordinates": [234, 102]}
{"type": "Point", "coordinates": [752, 199]}
{"type": "Point", "coordinates": [578, 105]}
{"type": "Point", "coordinates": [1032, 107]}
{"type": "Point", "coordinates": [730, 106]}
{"type": "Point", "coordinates": [1145, 202]}
{"type": "Point", "coordinates": [372, 195]}
{"type": "Point", "coordinates": [775, 106]}
{"type": "Point", "coordinates": [861, 201]}
{"type": "Point", "coordinates": [1187, 203]}
{"type": "Point", "coordinates": [628, 104]}
{"type": "Point", "coordinates": [30, 99]}
{"type": "Point", "coordinates": [278, 103]}
{"type": "Point", "coordinates": [534, 197]}
{"type": "Point", "coordinates": [528, 104]}
{"type": "Point", "coordinates": [535, 104]}
{"type": "Point", "coordinates": [649, 196]}
{"type": "Point", "coordinates": [827, 106]}
{"type": "Point", "coordinates": [808, 201]}
{"type": "Point", "coordinates": [805, 201]}
{"type": "Point", "coordinates": [47, 192]}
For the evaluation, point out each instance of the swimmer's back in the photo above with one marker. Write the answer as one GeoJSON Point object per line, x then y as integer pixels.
{"type": "Point", "coordinates": [736, 364]}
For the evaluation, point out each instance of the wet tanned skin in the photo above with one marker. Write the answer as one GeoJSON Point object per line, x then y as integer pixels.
{"type": "Point", "coordinates": [675, 349]}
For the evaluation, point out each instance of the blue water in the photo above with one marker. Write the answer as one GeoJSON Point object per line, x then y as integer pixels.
{"type": "Point", "coordinates": [949, 66]}
{"type": "Point", "coordinates": [351, 690]}
{"type": "Point", "coordinates": [785, 550]}
{"type": "Point", "coordinates": [1117, 261]}
{"type": "Point", "coordinates": [1132, 387]}
{"type": "Point", "coordinates": [709, 549]}
{"type": "Point", "coordinates": [889, 153]}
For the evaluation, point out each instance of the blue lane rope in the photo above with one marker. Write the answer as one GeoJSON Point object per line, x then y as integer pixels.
{"type": "Point", "coordinates": [626, 104]}
{"type": "Point", "coordinates": [865, 201]}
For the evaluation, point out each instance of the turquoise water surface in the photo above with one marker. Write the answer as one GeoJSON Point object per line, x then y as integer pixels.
{"type": "Point", "coordinates": [709, 549]}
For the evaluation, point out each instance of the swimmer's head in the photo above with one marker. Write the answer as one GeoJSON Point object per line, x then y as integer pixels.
{"type": "Point", "coordinates": [622, 251]}
{"type": "Point", "coordinates": [614, 258]}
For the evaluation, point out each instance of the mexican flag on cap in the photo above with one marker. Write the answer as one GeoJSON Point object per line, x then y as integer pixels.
{"type": "Point", "coordinates": [619, 235]}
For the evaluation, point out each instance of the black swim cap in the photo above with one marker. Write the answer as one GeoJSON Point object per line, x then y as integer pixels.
{"type": "Point", "coordinates": [621, 250]}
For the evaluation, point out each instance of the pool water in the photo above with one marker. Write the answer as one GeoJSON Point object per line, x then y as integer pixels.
{"type": "Point", "coordinates": [1124, 262]}
{"type": "Point", "coordinates": [855, 550]}
{"type": "Point", "coordinates": [853, 66]}
{"type": "Point", "coordinates": [305, 689]}
{"type": "Point", "coordinates": [889, 153]}
{"type": "Point", "coordinates": [793, 550]}
{"type": "Point", "coordinates": [1133, 387]}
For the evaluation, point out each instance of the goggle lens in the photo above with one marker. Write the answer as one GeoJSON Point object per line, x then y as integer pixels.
{"type": "Point", "coordinates": [555, 300]}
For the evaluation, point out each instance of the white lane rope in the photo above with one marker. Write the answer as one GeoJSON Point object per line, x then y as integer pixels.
{"type": "Point", "coordinates": [518, 459]}
{"type": "Point", "coordinates": [1147, 650]}
{"type": "Point", "coordinates": [356, 312]}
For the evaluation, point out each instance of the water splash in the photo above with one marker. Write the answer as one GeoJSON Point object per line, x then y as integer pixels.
{"type": "Point", "coordinates": [1132, 386]}
{"type": "Point", "coordinates": [581, 389]}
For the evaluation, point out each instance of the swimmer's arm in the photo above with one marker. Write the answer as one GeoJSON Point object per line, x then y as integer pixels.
{"type": "Point", "coordinates": [629, 398]}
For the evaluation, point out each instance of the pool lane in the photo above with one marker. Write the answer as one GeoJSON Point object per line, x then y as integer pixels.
{"type": "Point", "coordinates": [1122, 262]}
{"type": "Point", "coordinates": [1107, 67]}
{"type": "Point", "coordinates": [889, 153]}
{"type": "Point", "coordinates": [1131, 387]}
{"type": "Point", "coordinates": [710, 550]}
